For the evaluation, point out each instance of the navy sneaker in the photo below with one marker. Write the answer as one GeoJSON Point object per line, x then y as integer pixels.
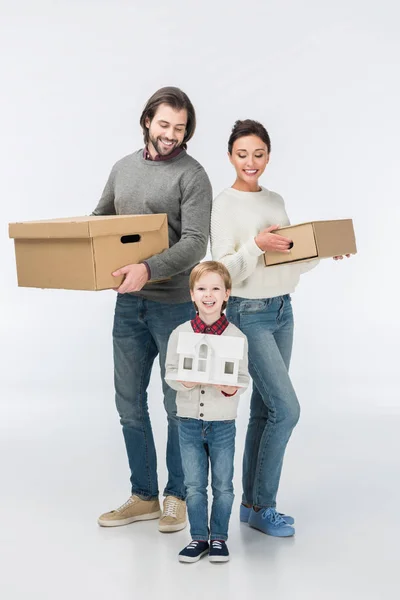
{"type": "Point", "coordinates": [246, 510]}
{"type": "Point", "coordinates": [269, 521]}
{"type": "Point", "coordinates": [193, 551]}
{"type": "Point", "coordinates": [218, 551]}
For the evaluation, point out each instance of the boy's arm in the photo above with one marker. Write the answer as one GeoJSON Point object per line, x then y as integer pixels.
{"type": "Point", "coordinates": [171, 364]}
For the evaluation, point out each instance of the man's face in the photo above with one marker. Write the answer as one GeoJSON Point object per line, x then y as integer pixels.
{"type": "Point", "coordinates": [166, 130]}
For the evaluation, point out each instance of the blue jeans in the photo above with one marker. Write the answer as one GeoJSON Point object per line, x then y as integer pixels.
{"type": "Point", "coordinates": [204, 442]}
{"type": "Point", "coordinates": [274, 408]}
{"type": "Point", "coordinates": [141, 331]}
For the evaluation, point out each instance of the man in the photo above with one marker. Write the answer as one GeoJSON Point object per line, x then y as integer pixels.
{"type": "Point", "coordinates": [161, 178]}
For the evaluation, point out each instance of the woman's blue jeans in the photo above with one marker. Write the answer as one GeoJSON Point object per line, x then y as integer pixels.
{"type": "Point", "coordinates": [274, 408]}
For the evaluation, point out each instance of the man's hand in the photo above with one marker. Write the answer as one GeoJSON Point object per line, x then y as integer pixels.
{"type": "Point", "coordinates": [340, 257]}
{"type": "Point", "coordinates": [272, 242]}
{"type": "Point", "coordinates": [136, 277]}
{"type": "Point", "coordinates": [228, 389]}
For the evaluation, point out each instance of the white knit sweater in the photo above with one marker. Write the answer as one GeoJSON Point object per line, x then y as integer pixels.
{"type": "Point", "coordinates": [237, 217]}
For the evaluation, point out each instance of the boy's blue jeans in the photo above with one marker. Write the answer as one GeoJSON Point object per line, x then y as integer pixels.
{"type": "Point", "coordinates": [203, 443]}
{"type": "Point", "coordinates": [141, 332]}
{"type": "Point", "coordinates": [274, 408]}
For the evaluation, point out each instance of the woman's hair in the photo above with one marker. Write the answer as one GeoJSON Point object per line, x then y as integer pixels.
{"type": "Point", "coordinates": [248, 127]}
{"type": "Point", "coordinates": [177, 100]}
{"type": "Point", "coordinates": [210, 266]}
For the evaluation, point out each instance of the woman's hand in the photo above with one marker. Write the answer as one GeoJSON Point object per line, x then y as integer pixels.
{"type": "Point", "coordinates": [272, 242]}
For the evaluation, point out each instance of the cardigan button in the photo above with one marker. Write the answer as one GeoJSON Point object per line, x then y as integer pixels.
{"type": "Point", "coordinates": [201, 403]}
{"type": "Point", "coordinates": [201, 414]}
{"type": "Point", "coordinates": [203, 391]}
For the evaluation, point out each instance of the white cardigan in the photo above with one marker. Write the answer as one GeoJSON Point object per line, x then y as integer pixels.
{"type": "Point", "coordinates": [236, 218]}
{"type": "Point", "coordinates": [204, 402]}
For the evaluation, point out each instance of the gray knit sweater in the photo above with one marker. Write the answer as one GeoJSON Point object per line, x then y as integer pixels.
{"type": "Point", "coordinates": [179, 187]}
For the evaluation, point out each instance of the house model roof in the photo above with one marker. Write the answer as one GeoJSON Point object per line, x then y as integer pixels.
{"type": "Point", "coordinates": [223, 345]}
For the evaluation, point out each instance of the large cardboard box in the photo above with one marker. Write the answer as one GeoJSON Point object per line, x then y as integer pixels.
{"type": "Point", "coordinates": [80, 253]}
{"type": "Point", "coordinates": [317, 239]}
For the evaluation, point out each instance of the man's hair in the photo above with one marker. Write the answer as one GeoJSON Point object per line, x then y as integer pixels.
{"type": "Point", "coordinates": [210, 266]}
{"type": "Point", "coordinates": [177, 100]}
{"type": "Point", "coordinates": [248, 127]}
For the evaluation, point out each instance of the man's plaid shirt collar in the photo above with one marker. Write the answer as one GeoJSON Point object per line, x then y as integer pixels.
{"type": "Point", "coordinates": [216, 328]}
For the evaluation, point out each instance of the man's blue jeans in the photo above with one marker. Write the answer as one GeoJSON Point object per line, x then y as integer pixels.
{"type": "Point", "coordinates": [141, 331]}
{"type": "Point", "coordinates": [274, 408]}
{"type": "Point", "coordinates": [204, 442]}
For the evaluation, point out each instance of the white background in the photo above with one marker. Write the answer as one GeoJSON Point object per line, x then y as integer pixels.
{"type": "Point", "coordinates": [323, 77]}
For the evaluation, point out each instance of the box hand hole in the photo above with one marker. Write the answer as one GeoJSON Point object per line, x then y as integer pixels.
{"type": "Point", "coordinates": [130, 239]}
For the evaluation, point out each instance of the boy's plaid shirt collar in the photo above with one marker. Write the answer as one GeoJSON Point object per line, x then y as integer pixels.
{"type": "Point", "coordinates": [216, 328]}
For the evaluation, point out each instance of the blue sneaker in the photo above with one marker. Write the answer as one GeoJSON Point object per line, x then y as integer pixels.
{"type": "Point", "coordinates": [218, 551]}
{"type": "Point", "coordinates": [193, 551]}
{"type": "Point", "coordinates": [269, 521]}
{"type": "Point", "coordinates": [245, 514]}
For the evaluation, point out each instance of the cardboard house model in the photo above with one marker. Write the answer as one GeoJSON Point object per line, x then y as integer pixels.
{"type": "Point", "coordinates": [209, 358]}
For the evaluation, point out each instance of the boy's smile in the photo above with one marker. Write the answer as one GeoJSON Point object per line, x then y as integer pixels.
{"type": "Point", "coordinates": [209, 294]}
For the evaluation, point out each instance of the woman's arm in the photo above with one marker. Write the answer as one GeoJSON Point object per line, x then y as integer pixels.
{"type": "Point", "coordinates": [240, 261]}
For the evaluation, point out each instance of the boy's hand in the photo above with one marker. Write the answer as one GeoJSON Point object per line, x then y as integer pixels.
{"type": "Point", "coordinates": [188, 384]}
{"type": "Point", "coordinates": [227, 389]}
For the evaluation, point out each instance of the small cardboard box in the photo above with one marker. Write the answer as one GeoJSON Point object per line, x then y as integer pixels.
{"type": "Point", "coordinates": [317, 239]}
{"type": "Point", "coordinates": [81, 253]}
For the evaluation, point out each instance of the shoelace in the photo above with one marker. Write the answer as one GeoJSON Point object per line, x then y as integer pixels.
{"type": "Point", "coordinates": [273, 516]}
{"type": "Point", "coordinates": [127, 503]}
{"type": "Point", "coordinates": [192, 545]}
{"type": "Point", "coordinates": [216, 544]}
{"type": "Point", "coordinates": [171, 506]}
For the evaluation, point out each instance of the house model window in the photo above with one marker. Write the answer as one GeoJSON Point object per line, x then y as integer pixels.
{"type": "Point", "coordinates": [209, 358]}
{"type": "Point", "coordinates": [202, 362]}
{"type": "Point", "coordinates": [229, 368]}
{"type": "Point", "coordinates": [187, 363]}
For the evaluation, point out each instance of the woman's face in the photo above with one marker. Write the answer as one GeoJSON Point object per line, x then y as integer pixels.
{"type": "Point", "coordinates": [249, 157]}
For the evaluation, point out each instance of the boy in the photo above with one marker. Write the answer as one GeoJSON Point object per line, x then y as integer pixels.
{"type": "Point", "coordinates": [207, 419]}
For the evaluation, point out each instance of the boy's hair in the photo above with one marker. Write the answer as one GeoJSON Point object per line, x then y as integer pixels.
{"type": "Point", "coordinates": [210, 266]}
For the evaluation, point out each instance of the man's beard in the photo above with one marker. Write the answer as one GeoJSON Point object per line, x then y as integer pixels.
{"type": "Point", "coordinates": [161, 150]}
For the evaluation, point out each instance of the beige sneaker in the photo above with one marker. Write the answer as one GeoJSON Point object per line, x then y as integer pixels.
{"type": "Point", "coordinates": [134, 509]}
{"type": "Point", "coordinates": [173, 517]}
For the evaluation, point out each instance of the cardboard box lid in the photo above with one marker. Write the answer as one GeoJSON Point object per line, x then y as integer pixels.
{"type": "Point", "coordinates": [86, 227]}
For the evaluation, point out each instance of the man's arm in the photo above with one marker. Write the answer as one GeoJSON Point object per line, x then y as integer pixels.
{"type": "Point", "coordinates": [195, 219]}
{"type": "Point", "coordinates": [106, 203]}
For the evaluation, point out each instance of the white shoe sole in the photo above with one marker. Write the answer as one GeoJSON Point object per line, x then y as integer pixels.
{"type": "Point", "coordinates": [218, 559]}
{"type": "Point", "coordinates": [120, 522]}
{"type": "Point", "coordinates": [191, 559]}
{"type": "Point", "coordinates": [172, 528]}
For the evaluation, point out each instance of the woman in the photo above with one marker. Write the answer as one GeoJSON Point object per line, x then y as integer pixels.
{"type": "Point", "coordinates": [242, 224]}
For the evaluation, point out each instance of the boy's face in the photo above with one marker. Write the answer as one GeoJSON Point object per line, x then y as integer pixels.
{"type": "Point", "coordinates": [209, 293]}
{"type": "Point", "coordinates": [166, 129]}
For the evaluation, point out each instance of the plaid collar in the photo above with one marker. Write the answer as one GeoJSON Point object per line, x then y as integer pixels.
{"type": "Point", "coordinates": [216, 328]}
{"type": "Point", "coordinates": [158, 157]}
